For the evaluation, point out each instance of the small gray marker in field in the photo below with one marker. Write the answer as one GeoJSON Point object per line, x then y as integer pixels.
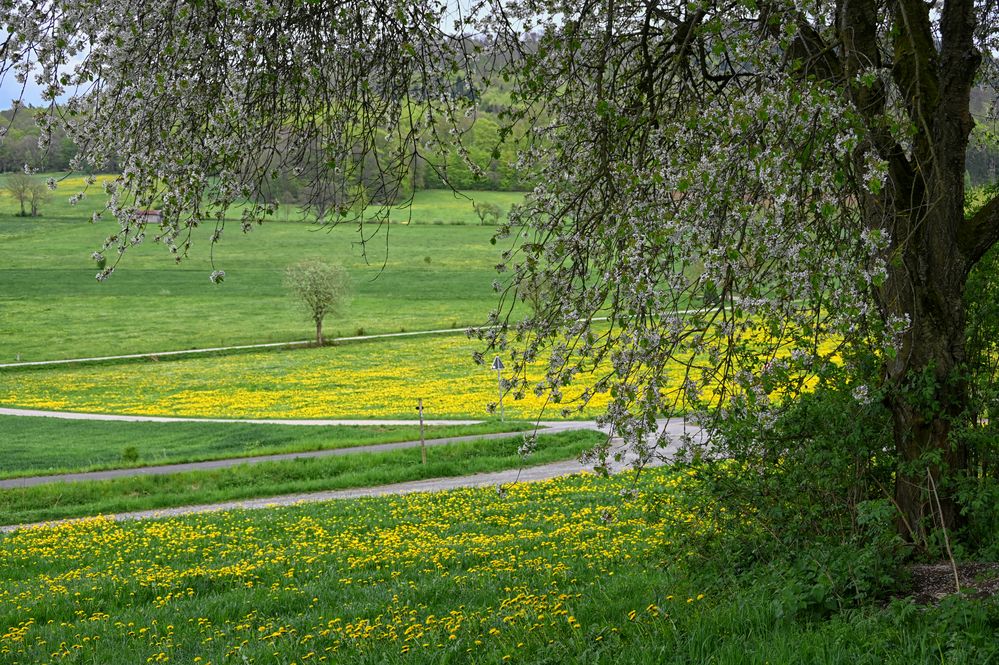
{"type": "Point", "coordinates": [423, 443]}
{"type": "Point", "coordinates": [498, 366]}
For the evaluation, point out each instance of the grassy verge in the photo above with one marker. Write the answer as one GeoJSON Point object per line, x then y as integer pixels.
{"type": "Point", "coordinates": [578, 570]}
{"type": "Point", "coordinates": [59, 500]}
{"type": "Point", "coordinates": [98, 445]}
{"type": "Point", "coordinates": [436, 207]}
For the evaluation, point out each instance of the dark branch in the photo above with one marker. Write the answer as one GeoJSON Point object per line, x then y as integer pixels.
{"type": "Point", "coordinates": [980, 232]}
{"type": "Point", "coordinates": [915, 70]}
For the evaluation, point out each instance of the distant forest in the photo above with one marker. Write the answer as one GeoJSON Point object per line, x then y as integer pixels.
{"type": "Point", "coordinates": [20, 144]}
{"type": "Point", "coordinates": [497, 161]}
{"type": "Point", "coordinates": [982, 162]}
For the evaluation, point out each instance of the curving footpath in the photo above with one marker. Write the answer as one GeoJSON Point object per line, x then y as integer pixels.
{"type": "Point", "coordinates": [207, 465]}
{"type": "Point", "coordinates": [673, 429]}
{"type": "Point", "coordinates": [497, 478]}
{"type": "Point", "coordinates": [544, 427]}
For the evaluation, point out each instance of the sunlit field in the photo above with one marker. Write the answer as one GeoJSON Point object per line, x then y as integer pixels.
{"type": "Point", "coordinates": [718, 384]}
{"type": "Point", "coordinates": [415, 276]}
{"type": "Point", "coordinates": [377, 379]}
{"type": "Point", "coordinates": [575, 570]}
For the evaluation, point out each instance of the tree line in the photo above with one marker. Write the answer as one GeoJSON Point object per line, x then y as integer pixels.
{"type": "Point", "coordinates": [19, 144]}
{"type": "Point", "coordinates": [486, 163]}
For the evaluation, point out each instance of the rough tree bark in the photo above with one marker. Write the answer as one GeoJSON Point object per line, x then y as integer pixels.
{"type": "Point", "coordinates": [933, 245]}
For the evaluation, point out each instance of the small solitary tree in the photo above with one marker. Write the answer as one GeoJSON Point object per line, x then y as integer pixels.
{"type": "Point", "coordinates": [18, 185]}
{"type": "Point", "coordinates": [321, 287]}
{"type": "Point", "coordinates": [38, 193]}
{"type": "Point", "coordinates": [488, 213]}
{"type": "Point", "coordinates": [27, 191]}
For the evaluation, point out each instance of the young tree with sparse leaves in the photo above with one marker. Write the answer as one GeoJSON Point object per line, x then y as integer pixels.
{"type": "Point", "coordinates": [321, 287]}
{"type": "Point", "coordinates": [807, 157]}
{"type": "Point", "coordinates": [38, 193]}
{"type": "Point", "coordinates": [488, 213]}
{"type": "Point", "coordinates": [26, 190]}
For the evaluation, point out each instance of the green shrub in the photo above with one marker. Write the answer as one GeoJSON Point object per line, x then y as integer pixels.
{"type": "Point", "coordinates": [804, 500]}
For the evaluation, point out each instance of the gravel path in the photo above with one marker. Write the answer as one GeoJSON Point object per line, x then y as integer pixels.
{"type": "Point", "coordinates": [672, 428]}
{"type": "Point", "coordinates": [208, 465]}
{"type": "Point", "coordinates": [528, 474]}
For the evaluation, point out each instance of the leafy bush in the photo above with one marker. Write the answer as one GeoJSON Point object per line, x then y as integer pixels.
{"type": "Point", "coordinates": [979, 492]}
{"type": "Point", "coordinates": [804, 500]}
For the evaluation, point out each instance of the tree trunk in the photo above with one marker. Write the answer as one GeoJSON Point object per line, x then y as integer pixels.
{"type": "Point", "coordinates": [927, 398]}
{"type": "Point", "coordinates": [933, 246]}
{"type": "Point", "coordinates": [319, 332]}
{"type": "Point", "coordinates": [927, 391]}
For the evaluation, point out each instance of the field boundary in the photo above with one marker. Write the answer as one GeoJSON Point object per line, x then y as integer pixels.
{"type": "Point", "coordinates": [225, 349]}
{"type": "Point", "coordinates": [250, 347]}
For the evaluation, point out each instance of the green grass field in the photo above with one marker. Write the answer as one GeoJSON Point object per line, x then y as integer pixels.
{"type": "Point", "coordinates": [629, 569]}
{"type": "Point", "coordinates": [96, 445]}
{"type": "Point", "coordinates": [437, 207]}
{"type": "Point", "coordinates": [414, 276]}
{"type": "Point", "coordinates": [566, 571]}
{"type": "Point", "coordinates": [59, 500]}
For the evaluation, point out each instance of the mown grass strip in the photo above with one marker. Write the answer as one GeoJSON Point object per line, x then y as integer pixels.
{"type": "Point", "coordinates": [61, 500]}
{"type": "Point", "coordinates": [96, 445]}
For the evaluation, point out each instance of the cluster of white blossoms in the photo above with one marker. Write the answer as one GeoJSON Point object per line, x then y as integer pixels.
{"type": "Point", "coordinates": [700, 242]}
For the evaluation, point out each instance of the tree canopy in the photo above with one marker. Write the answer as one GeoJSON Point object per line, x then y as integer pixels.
{"type": "Point", "coordinates": [26, 190]}
{"type": "Point", "coordinates": [320, 287]}
{"type": "Point", "coordinates": [802, 162]}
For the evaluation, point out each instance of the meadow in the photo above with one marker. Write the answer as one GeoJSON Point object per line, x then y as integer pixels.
{"type": "Point", "coordinates": [433, 269]}
{"type": "Point", "coordinates": [574, 570]}
{"type": "Point", "coordinates": [374, 379]}
{"type": "Point", "coordinates": [647, 568]}
{"type": "Point", "coordinates": [96, 445]}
